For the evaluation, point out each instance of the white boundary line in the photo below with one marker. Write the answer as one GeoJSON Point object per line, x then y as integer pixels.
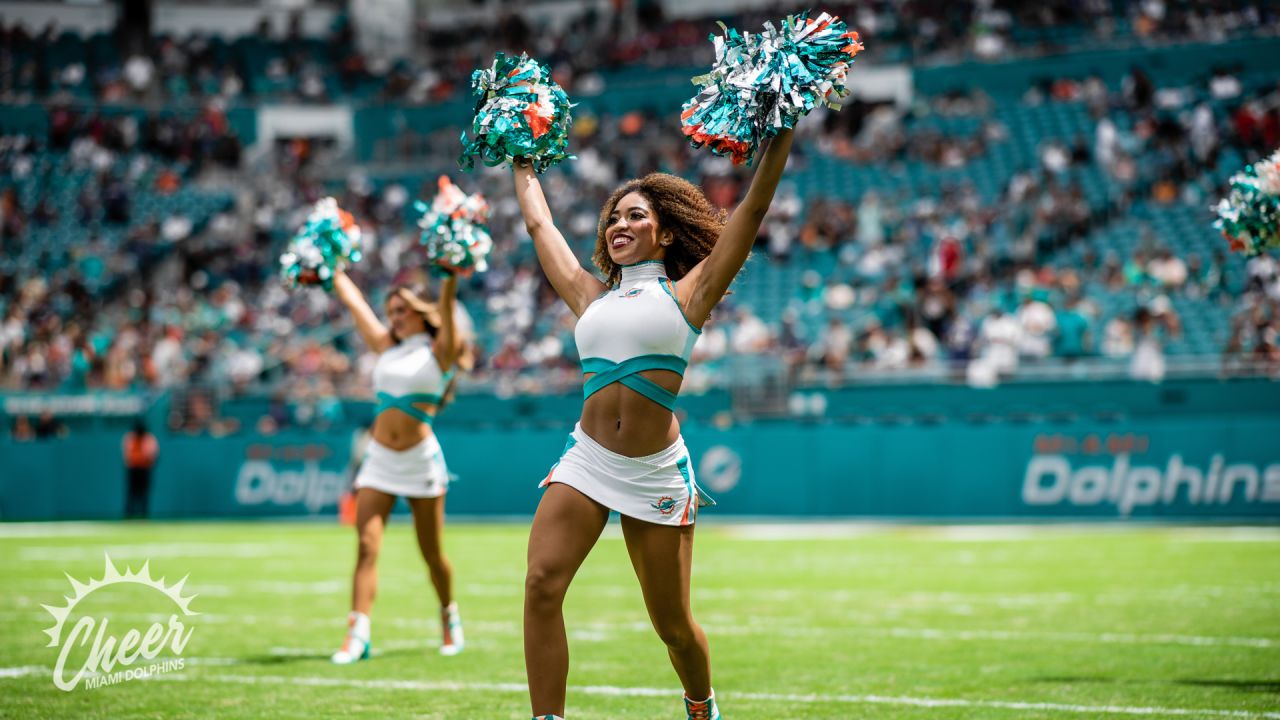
{"type": "Point", "coordinates": [23, 671]}
{"type": "Point", "coordinates": [1199, 594]}
{"type": "Point", "coordinates": [1105, 638]}
{"type": "Point", "coordinates": [614, 691]}
{"type": "Point", "coordinates": [605, 630]}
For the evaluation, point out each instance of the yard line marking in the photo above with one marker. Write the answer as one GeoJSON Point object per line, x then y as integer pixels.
{"type": "Point", "coordinates": [982, 532]}
{"type": "Point", "coordinates": [1106, 638]}
{"type": "Point", "coordinates": [615, 691]}
{"type": "Point", "coordinates": [148, 551]}
{"type": "Point", "coordinates": [1198, 595]}
{"type": "Point", "coordinates": [607, 627]}
{"type": "Point", "coordinates": [213, 661]}
{"type": "Point", "coordinates": [25, 670]}
{"type": "Point", "coordinates": [944, 634]}
{"type": "Point", "coordinates": [591, 630]}
{"type": "Point", "coordinates": [57, 529]}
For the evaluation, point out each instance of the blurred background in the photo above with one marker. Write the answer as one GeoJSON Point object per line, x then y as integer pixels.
{"type": "Point", "coordinates": [989, 287]}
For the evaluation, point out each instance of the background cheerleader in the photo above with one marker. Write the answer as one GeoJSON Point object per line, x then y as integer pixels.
{"type": "Point", "coordinates": [417, 358]}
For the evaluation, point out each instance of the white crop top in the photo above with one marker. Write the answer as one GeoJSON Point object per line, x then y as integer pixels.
{"type": "Point", "coordinates": [408, 373]}
{"type": "Point", "coordinates": [634, 327]}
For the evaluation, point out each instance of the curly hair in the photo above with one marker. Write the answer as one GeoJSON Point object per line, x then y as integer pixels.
{"type": "Point", "coordinates": [681, 208]}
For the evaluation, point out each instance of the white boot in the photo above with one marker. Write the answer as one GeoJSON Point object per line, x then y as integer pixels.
{"type": "Point", "coordinates": [451, 642]}
{"type": "Point", "coordinates": [356, 646]}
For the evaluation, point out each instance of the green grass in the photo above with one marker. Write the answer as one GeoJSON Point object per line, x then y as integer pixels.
{"type": "Point", "coordinates": [809, 622]}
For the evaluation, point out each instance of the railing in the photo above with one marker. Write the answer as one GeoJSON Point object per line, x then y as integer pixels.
{"type": "Point", "coordinates": [764, 377]}
{"type": "Point", "coordinates": [741, 390]}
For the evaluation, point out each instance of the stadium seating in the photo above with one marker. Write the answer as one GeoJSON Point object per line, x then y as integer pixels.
{"type": "Point", "coordinates": [770, 287]}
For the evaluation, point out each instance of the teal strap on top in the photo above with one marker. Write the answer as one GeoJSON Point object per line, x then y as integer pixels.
{"type": "Point", "coordinates": [628, 372]}
{"type": "Point", "coordinates": [405, 404]}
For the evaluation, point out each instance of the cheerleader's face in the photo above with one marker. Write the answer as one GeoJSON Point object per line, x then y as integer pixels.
{"type": "Point", "coordinates": [632, 234]}
{"type": "Point", "coordinates": [404, 321]}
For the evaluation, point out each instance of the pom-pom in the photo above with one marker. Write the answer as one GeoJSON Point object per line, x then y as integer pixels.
{"type": "Point", "coordinates": [521, 112]}
{"type": "Point", "coordinates": [763, 83]}
{"type": "Point", "coordinates": [1249, 216]}
{"type": "Point", "coordinates": [454, 231]}
{"type": "Point", "coordinates": [328, 242]}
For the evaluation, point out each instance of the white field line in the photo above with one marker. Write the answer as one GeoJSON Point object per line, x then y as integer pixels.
{"type": "Point", "coordinates": [1007, 532]}
{"type": "Point", "coordinates": [598, 630]}
{"type": "Point", "coordinates": [614, 691]}
{"type": "Point", "coordinates": [8, 673]}
{"type": "Point", "coordinates": [59, 529]}
{"type": "Point", "coordinates": [376, 649]}
{"type": "Point", "coordinates": [1185, 594]}
{"type": "Point", "coordinates": [23, 671]}
{"type": "Point", "coordinates": [150, 551]}
{"type": "Point", "coordinates": [214, 661]}
{"type": "Point", "coordinates": [1100, 638]}
{"type": "Point", "coordinates": [601, 631]}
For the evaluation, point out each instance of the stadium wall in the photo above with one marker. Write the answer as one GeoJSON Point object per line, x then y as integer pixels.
{"type": "Point", "coordinates": [1212, 455]}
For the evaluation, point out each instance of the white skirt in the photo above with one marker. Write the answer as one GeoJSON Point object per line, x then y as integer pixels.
{"type": "Point", "coordinates": [417, 472]}
{"type": "Point", "coordinates": [658, 488]}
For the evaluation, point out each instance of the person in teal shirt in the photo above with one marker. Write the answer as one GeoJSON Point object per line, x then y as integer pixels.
{"type": "Point", "coordinates": [1074, 337]}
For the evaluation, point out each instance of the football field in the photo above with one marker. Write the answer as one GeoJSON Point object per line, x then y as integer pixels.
{"type": "Point", "coordinates": [805, 621]}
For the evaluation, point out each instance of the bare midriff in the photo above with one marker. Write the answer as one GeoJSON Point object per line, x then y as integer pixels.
{"type": "Point", "coordinates": [395, 430]}
{"type": "Point", "coordinates": [628, 423]}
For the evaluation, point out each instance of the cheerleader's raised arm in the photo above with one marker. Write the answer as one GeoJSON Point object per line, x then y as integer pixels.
{"type": "Point", "coordinates": [575, 285]}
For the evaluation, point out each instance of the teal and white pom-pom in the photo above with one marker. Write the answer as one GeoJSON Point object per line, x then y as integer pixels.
{"type": "Point", "coordinates": [1249, 216]}
{"type": "Point", "coordinates": [454, 230]}
{"type": "Point", "coordinates": [521, 113]}
{"type": "Point", "coordinates": [763, 83]}
{"type": "Point", "coordinates": [329, 241]}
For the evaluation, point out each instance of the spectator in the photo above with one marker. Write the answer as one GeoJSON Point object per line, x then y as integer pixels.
{"type": "Point", "coordinates": [1167, 269]}
{"type": "Point", "coordinates": [49, 427]}
{"type": "Point", "coordinates": [22, 429]}
{"type": "Point", "coordinates": [1037, 326]}
{"type": "Point", "coordinates": [834, 345]}
{"type": "Point", "coordinates": [1000, 338]}
{"type": "Point", "coordinates": [1117, 338]}
{"type": "Point", "coordinates": [140, 450]}
{"type": "Point", "coordinates": [1147, 362]}
{"type": "Point", "coordinates": [750, 336]}
{"type": "Point", "coordinates": [1073, 340]}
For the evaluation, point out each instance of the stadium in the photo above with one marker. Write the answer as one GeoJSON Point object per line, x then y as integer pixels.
{"type": "Point", "coordinates": [955, 326]}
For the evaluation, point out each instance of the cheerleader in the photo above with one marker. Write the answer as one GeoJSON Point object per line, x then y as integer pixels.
{"type": "Point", "coordinates": [669, 257]}
{"type": "Point", "coordinates": [417, 357]}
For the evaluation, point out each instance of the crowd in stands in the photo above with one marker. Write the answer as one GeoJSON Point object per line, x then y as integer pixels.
{"type": "Point", "coordinates": [892, 281]}
{"type": "Point", "coordinates": [41, 62]}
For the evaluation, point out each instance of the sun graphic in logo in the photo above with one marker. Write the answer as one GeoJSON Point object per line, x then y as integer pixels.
{"type": "Point", "coordinates": [109, 651]}
{"type": "Point", "coordinates": [665, 505]}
